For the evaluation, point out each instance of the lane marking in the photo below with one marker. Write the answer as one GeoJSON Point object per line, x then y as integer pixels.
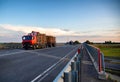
{"type": "Point", "coordinates": [46, 70]}
{"type": "Point", "coordinates": [39, 80]}
{"type": "Point", "coordinates": [7, 54]}
{"type": "Point", "coordinates": [54, 67]}
{"type": "Point", "coordinates": [13, 53]}
{"type": "Point", "coordinates": [36, 78]}
{"type": "Point", "coordinates": [45, 55]}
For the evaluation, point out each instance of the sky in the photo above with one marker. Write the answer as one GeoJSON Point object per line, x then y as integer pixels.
{"type": "Point", "coordinates": [94, 20]}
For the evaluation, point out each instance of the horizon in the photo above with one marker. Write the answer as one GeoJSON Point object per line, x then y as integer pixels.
{"type": "Point", "coordinates": [96, 21]}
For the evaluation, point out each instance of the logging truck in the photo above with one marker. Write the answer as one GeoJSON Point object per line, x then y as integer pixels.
{"type": "Point", "coordinates": [37, 40]}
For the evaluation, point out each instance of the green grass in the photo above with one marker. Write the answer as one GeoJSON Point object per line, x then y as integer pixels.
{"type": "Point", "coordinates": [10, 45]}
{"type": "Point", "coordinates": [111, 52]}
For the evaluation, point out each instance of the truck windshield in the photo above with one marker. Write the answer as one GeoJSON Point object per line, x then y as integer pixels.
{"type": "Point", "coordinates": [27, 37]}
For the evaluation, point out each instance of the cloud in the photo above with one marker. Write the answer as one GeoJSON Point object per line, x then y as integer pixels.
{"type": "Point", "coordinates": [48, 31]}
{"type": "Point", "coordinates": [13, 33]}
{"type": "Point", "coordinates": [67, 30]}
{"type": "Point", "coordinates": [94, 38]}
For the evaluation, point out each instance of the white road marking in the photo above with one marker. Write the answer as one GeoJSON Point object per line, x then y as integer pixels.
{"type": "Point", "coordinates": [45, 55]}
{"type": "Point", "coordinates": [48, 73]}
{"type": "Point", "coordinates": [22, 51]}
{"type": "Point", "coordinates": [13, 53]}
{"type": "Point", "coordinates": [50, 68]}
{"type": "Point", "coordinates": [17, 52]}
{"type": "Point", "coordinates": [6, 54]}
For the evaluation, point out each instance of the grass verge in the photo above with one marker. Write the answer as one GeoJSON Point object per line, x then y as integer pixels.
{"type": "Point", "coordinates": [109, 50]}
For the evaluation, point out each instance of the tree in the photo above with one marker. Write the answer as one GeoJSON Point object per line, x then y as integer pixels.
{"type": "Point", "coordinates": [108, 42]}
{"type": "Point", "coordinates": [87, 41]}
{"type": "Point", "coordinates": [71, 42]}
{"type": "Point", "coordinates": [76, 42]}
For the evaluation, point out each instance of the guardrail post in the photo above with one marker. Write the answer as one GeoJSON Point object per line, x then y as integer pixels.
{"type": "Point", "coordinates": [78, 50]}
{"type": "Point", "coordinates": [67, 77]}
{"type": "Point", "coordinates": [103, 63]}
{"type": "Point", "coordinates": [77, 58]}
{"type": "Point", "coordinates": [74, 76]}
{"type": "Point", "coordinates": [102, 74]}
{"type": "Point", "coordinates": [99, 61]}
{"type": "Point", "coordinates": [75, 66]}
{"type": "Point", "coordinates": [71, 76]}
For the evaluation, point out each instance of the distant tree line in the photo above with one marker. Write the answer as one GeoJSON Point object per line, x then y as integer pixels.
{"type": "Point", "coordinates": [88, 42]}
{"type": "Point", "coordinates": [73, 42]}
{"type": "Point", "coordinates": [106, 42]}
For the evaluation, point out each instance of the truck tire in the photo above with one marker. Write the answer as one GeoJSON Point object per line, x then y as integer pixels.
{"type": "Point", "coordinates": [34, 47]}
{"type": "Point", "coordinates": [26, 48]}
{"type": "Point", "coordinates": [37, 46]}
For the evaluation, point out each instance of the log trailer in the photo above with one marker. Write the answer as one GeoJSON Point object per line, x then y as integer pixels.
{"type": "Point", "coordinates": [37, 40]}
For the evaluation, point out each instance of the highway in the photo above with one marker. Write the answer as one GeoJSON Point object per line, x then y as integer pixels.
{"type": "Point", "coordinates": [41, 65]}
{"type": "Point", "coordinates": [114, 66]}
{"type": "Point", "coordinates": [112, 63]}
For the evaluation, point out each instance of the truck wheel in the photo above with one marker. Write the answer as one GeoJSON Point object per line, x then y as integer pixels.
{"type": "Point", "coordinates": [26, 48]}
{"type": "Point", "coordinates": [37, 46]}
{"type": "Point", "coordinates": [34, 47]}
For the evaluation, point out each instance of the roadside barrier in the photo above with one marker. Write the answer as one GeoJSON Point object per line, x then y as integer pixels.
{"type": "Point", "coordinates": [97, 58]}
{"type": "Point", "coordinates": [71, 72]}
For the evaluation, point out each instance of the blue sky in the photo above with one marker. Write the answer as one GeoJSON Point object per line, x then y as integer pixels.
{"type": "Point", "coordinates": [95, 20]}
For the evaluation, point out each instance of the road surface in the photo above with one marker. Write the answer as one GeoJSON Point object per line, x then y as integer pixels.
{"type": "Point", "coordinates": [41, 65]}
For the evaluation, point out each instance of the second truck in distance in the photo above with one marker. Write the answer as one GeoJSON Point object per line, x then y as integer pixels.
{"type": "Point", "coordinates": [37, 40]}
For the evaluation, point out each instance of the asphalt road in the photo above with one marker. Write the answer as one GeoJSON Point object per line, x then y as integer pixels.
{"type": "Point", "coordinates": [112, 66]}
{"type": "Point", "coordinates": [112, 63]}
{"type": "Point", "coordinates": [41, 65]}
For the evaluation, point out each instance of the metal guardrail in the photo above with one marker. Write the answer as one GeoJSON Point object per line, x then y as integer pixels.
{"type": "Point", "coordinates": [71, 71]}
{"type": "Point", "coordinates": [97, 58]}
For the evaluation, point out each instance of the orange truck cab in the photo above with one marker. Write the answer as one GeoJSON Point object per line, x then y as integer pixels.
{"type": "Point", "coordinates": [29, 41]}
